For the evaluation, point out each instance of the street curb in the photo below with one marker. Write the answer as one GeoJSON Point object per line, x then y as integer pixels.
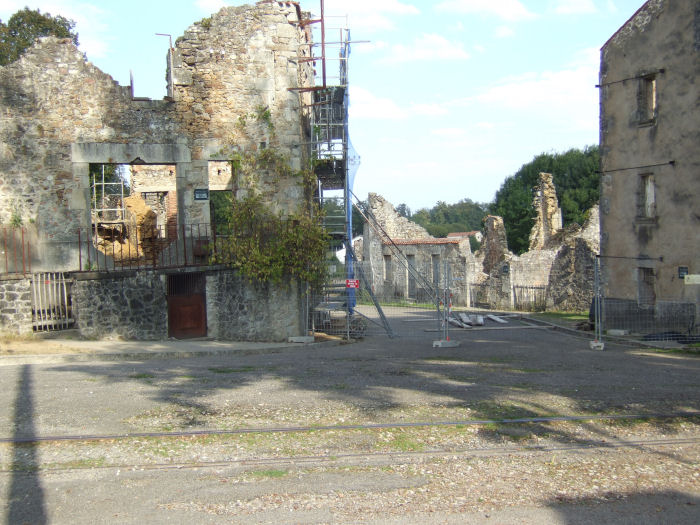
{"type": "Point", "coordinates": [146, 355]}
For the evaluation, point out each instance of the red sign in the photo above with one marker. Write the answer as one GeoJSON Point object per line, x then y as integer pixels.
{"type": "Point", "coordinates": [352, 283]}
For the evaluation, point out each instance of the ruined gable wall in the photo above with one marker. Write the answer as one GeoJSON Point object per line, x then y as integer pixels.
{"type": "Point", "coordinates": [396, 226]}
{"type": "Point", "coordinates": [494, 249]}
{"type": "Point", "coordinates": [52, 99]}
{"type": "Point", "coordinates": [49, 99]}
{"type": "Point", "coordinates": [548, 218]}
{"type": "Point", "coordinates": [232, 76]}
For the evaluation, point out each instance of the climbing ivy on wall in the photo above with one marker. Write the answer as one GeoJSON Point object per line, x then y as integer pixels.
{"type": "Point", "coordinates": [265, 245]}
{"type": "Point", "coordinates": [268, 247]}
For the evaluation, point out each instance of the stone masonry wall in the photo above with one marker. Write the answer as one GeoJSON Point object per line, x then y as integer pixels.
{"type": "Point", "coordinates": [548, 218]}
{"type": "Point", "coordinates": [226, 71]}
{"type": "Point", "coordinates": [130, 305]}
{"type": "Point", "coordinates": [240, 310]}
{"type": "Point", "coordinates": [15, 306]}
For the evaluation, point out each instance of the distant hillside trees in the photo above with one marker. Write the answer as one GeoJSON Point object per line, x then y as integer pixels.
{"type": "Point", "coordinates": [463, 216]}
{"type": "Point", "coordinates": [576, 178]}
{"type": "Point", "coordinates": [25, 26]}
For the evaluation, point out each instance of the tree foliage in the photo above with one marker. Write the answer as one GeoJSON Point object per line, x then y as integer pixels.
{"type": "Point", "coordinates": [266, 247]}
{"type": "Point", "coordinates": [25, 26]}
{"type": "Point", "coordinates": [576, 179]}
{"type": "Point", "coordinates": [463, 216]}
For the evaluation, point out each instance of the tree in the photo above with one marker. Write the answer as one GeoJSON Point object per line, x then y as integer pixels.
{"type": "Point", "coordinates": [403, 210]}
{"type": "Point", "coordinates": [444, 218]}
{"type": "Point", "coordinates": [576, 179]}
{"type": "Point", "coordinates": [25, 26]}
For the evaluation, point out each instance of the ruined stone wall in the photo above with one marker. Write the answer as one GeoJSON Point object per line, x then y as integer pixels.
{"type": "Point", "coordinates": [60, 113]}
{"type": "Point", "coordinates": [15, 306]}
{"type": "Point", "coordinates": [650, 216]}
{"type": "Point", "coordinates": [387, 270]}
{"type": "Point", "coordinates": [238, 310]}
{"type": "Point", "coordinates": [494, 250]}
{"type": "Point", "coordinates": [396, 226]}
{"type": "Point", "coordinates": [50, 98]}
{"type": "Point", "coordinates": [130, 305]}
{"type": "Point", "coordinates": [231, 77]}
{"type": "Point", "coordinates": [548, 217]}
{"type": "Point", "coordinates": [559, 275]}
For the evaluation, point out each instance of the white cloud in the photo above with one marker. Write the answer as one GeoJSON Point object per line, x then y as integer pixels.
{"type": "Point", "coordinates": [90, 21]}
{"type": "Point", "coordinates": [504, 32]}
{"type": "Point", "coordinates": [567, 96]}
{"type": "Point", "coordinates": [449, 132]}
{"type": "Point", "coordinates": [427, 47]}
{"type": "Point", "coordinates": [427, 110]}
{"type": "Point", "coordinates": [370, 47]}
{"type": "Point", "coordinates": [369, 15]}
{"type": "Point", "coordinates": [366, 105]}
{"type": "Point", "coordinates": [511, 10]}
{"type": "Point", "coordinates": [575, 7]}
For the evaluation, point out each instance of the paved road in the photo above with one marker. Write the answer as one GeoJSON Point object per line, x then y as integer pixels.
{"type": "Point", "coordinates": [626, 471]}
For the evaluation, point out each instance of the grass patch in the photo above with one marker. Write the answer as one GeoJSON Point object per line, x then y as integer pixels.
{"type": "Point", "coordinates": [681, 351]}
{"type": "Point", "coordinates": [268, 473]}
{"type": "Point", "coordinates": [142, 375]}
{"type": "Point", "coordinates": [401, 441]}
{"type": "Point", "coordinates": [564, 316]}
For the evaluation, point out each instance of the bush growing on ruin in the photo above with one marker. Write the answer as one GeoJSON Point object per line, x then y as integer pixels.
{"type": "Point", "coordinates": [576, 178]}
{"type": "Point", "coordinates": [25, 26]}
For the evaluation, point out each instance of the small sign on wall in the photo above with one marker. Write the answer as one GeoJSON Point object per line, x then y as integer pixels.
{"type": "Point", "coordinates": [682, 272]}
{"type": "Point", "coordinates": [201, 194]}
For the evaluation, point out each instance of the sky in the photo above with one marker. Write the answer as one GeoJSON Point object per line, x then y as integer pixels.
{"type": "Point", "coordinates": [447, 97]}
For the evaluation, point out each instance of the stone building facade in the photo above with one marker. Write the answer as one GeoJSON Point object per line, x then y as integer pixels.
{"type": "Point", "coordinates": [557, 273]}
{"type": "Point", "coordinates": [393, 243]}
{"type": "Point", "coordinates": [650, 164]}
{"type": "Point", "coordinates": [232, 90]}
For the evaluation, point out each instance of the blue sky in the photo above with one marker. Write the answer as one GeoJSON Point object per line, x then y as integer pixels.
{"type": "Point", "coordinates": [448, 97]}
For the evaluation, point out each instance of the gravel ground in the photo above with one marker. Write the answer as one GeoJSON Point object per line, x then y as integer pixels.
{"type": "Point", "coordinates": [445, 470]}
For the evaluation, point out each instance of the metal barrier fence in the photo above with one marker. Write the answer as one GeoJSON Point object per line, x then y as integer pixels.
{"type": "Point", "coordinates": [195, 245]}
{"type": "Point", "coordinates": [16, 250]}
{"type": "Point", "coordinates": [645, 317]}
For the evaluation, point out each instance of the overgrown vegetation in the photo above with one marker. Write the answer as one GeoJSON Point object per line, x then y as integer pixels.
{"type": "Point", "coordinates": [25, 26]}
{"type": "Point", "coordinates": [576, 178]}
{"type": "Point", "coordinates": [267, 247]}
{"type": "Point", "coordinates": [463, 216]}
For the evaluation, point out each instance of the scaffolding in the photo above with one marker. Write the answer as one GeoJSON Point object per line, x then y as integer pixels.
{"type": "Point", "coordinates": [108, 211]}
{"type": "Point", "coordinates": [333, 158]}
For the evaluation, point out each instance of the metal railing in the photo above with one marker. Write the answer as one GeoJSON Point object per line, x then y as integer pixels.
{"type": "Point", "coordinates": [15, 250]}
{"type": "Point", "coordinates": [195, 245]}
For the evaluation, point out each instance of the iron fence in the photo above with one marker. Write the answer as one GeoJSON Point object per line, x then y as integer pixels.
{"type": "Point", "coordinates": [195, 244]}
{"type": "Point", "coordinates": [646, 317]}
{"type": "Point", "coordinates": [530, 298]}
{"type": "Point", "coordinates": [16, 250]}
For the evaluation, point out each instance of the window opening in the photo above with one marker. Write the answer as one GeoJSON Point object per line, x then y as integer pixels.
{"type": "Point", "coordinates": [646, 205]}
{"type": "Point", "coordinates": [645, 282]}
{"type": "Point", "coordinates": [647, 99]}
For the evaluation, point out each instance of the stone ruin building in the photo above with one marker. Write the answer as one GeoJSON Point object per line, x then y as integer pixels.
{"type": "Point", "coordinates": [557, 273]}
{"type": "Point", "coordinates": [237, 82]}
